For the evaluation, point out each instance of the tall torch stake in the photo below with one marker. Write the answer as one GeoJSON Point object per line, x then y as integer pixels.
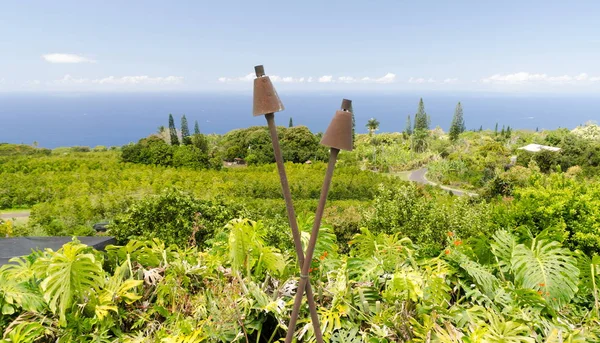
{"type": "Point", "coordinates": [266, 101]}
{"type": "Point", "coordinates": [338, 136]}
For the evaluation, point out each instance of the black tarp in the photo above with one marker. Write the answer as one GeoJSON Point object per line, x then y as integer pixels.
{"type": "Point", "coordinates": [20, 246]}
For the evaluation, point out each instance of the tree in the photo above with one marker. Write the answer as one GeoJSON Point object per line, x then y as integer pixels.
{"type": "Point", "coordinates": [496, 130]}
{"type": "Point", "coordinates": [481, 128]}
{"type": "Point", "coordinates": [196, 128]}
{"type": "Point", "coordinates": [458, 123]}
{"type": "Point", "coordinates": [351, 109]}
{"type": "Point", "coordinates": [508, 132]}
{"type": "Point", "coordinates": [421, 117]}
{"type": "Point", "coordinates": [173, 131]}
{"type": "Point", "coordinates": [372, 125]}
{"type": "Point", "coordinates": [408, 129]}
{"type": "Point", "coordinates": [185, 131]}
{"type": "Point", "coordinates": [291, 123]}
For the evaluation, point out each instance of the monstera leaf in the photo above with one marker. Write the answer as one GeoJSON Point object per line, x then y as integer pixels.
{"type": "Point", "coordinates": [70, 273]}
{"type": "Point", "coordinates": [547, 268]}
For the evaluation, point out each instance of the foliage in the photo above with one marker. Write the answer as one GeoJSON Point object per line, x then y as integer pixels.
{"type": "Point", "coordinates": [173, 217]}
{"type": "Point", "coordinates": [565, 205]}
{"type": "Point", "coordinates": [253, 144]}
{"type": "Point", "coordinates": [240, 289]}
{"type": "Point", "coordinates": [153, 150]}
{"type": "Point", "coordinates": [21, 149]}
{"type": "Point", "coordinates": [425, 216]}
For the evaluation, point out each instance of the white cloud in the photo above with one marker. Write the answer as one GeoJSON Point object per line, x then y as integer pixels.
{"type": "Point", "coordinates": [450, 80]}
{"type": "Point", "coordinates": [346, 79]}
{"type": "Point", "coordinates": [325, 78]}
{"type": "Point", "coordinates": [140, 80]}
{"type": "Point", "coordinates": [525, 77]}
{"type": "Point", "coordinates": [125, 80]}
{"type": "Point", "coordinates": [388, 78]}
{"type": "Point", "coordinates": [421, 80]}
{"type": "Point", "coordinates": [2, 81]}
{"type": "Point", "coordinates": [66, 58]}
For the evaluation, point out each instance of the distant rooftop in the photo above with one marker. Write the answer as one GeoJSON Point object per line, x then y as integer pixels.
{"type": "Point", "coordinates": [538, 148]}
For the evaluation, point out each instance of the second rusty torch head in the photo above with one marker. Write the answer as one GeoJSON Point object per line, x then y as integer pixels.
{"type": "Point", "coordinates": [266, 99]}
{"type": "Point", "coordinates": [339, 131]}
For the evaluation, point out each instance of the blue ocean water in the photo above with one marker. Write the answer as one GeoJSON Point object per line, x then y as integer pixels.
{"type": "Point", "coordinates": [60, 119]}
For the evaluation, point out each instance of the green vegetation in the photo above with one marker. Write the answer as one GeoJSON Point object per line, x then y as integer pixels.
{"type": "Point", "coordinates": [395, 261]}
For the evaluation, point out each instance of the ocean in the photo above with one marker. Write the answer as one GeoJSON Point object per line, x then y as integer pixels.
{"type": "Point", "coordinates": [110, 119]}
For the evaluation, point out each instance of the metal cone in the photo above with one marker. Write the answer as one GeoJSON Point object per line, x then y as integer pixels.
{"type": "Point", "coordinates": [339, 132]}
{"type": "Point", "coordinates": [266, 99]}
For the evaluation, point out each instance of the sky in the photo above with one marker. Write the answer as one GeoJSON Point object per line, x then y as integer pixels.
{"type": "Point", "coordinates": [189, 46]}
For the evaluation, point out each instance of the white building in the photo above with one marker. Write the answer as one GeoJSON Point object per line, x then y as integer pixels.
{"type": "Point", "coordinates": [538, 148]}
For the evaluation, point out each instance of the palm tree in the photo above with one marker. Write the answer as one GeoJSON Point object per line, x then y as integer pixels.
{"type": "Point", "coordinates": [372, 125]}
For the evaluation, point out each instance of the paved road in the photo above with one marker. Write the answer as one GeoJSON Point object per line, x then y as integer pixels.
{"type": "Point", "coordinates": [418, 176]}
{"type": "Point", "coordinates": [9, 215]}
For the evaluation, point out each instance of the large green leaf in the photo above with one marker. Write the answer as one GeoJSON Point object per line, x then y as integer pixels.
{"type": "Point", "coordinates": [70, 273]}
{"type": "Point", "coordinates": [547, 268]}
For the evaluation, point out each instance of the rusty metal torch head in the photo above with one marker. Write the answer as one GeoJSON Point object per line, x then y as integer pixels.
{"type": "Point", "coordinates": [339, 132]}
{"type": "Point", "coordinates": [266, 99]}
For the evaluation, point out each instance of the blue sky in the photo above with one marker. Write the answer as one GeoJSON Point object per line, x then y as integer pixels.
{"type": "Point", "coordinates": [507, 46]}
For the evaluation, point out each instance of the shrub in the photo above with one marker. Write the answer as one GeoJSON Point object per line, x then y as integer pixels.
{"type": "Point", "coordinates": [174, 217]}
{"type": "Point", "coordinates": [426, 216]}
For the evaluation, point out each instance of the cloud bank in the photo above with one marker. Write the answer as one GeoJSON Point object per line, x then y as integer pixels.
{"type": "Point", "coordinates": [124, 80]}
{"type": "Point", "coordinates": [387, 78]}
{"type": "Point", "coordinates": [66, 58]}
{"type": "Point", "coordinates": [525, 77]}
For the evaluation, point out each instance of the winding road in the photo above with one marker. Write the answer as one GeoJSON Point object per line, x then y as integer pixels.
{"type": "Point", "coordinates": [9, 215]}
{"type": "Point", "coordinates": [418, 176]}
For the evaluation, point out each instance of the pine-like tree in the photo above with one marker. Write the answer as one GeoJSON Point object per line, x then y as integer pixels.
{"type": "Point", "coordinates": [185, 131]}
{"type": "Point", "coordinates": [503, 132]}
{"type": "Point", "coordinates": [173, 131]}
{"type": "Point", "coordinates": [481, 128]}
{"type": "Point", "coordinates": [351, 109]}
{"type": "Point", "coordinates": [421, 117]}
{"type": "Point", "coordinates": [458, 123]}
{"type": "Point", "coordinates": [196, 128]}
{"type": "Point", "coordinates": [291, 123]}
{"type": "Point", "coordinates": [408, 129]}
{"type": "Point", "coordinates": [496, 130]}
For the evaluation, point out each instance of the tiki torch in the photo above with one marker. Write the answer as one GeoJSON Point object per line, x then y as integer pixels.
{"type": "Point", "coordinates": [267, 102]}
{"type": "Point", "coordinates": [338, 137]}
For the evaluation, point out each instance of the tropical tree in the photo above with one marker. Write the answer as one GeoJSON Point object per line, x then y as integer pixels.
{"type": "Point", "coordinates": [372, 125]}
{"type": "Point", "coordinates": [185, 131]}
{"type": "Point", "coordinates": [408, 129]}
{"type": "Point", "coordinates": [196, 128]}
{"type": "Point", "coordinates": [173, 131]}
{"type": "Point", "coordinates": [458, 123]}
{"type": "Point", "coordinates": [421, 117]}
